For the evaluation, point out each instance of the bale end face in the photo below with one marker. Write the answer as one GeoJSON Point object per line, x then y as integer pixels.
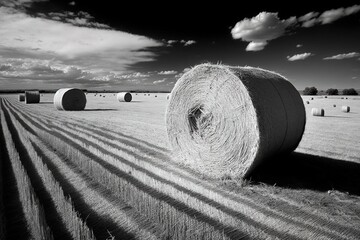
{"type": "Point", "coordinates": [21, 97]}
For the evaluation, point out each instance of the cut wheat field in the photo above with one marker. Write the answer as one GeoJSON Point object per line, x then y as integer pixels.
{"type": "Point", "coordinates": [108, 173]}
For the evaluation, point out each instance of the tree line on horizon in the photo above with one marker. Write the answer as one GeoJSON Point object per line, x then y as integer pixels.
{"type": "Point", "coordinates": [330, 91]}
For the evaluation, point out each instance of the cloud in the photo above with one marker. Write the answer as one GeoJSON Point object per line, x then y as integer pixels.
{"type": "Point", "coordinates": [159, 81]}
{"type": "Point", "coordinates": [184, 42]}
{"type": "Point", "coordinates": [261, 29]}
{"type": "Point", "coordinates": [299, 45]}
{"type": "Point", "coordinates": [301, 56]}
{"type": "Point", "coordinates": [267, 26]}
{"type": "Point", "coordinates": [167, 72]}
{"type": "Point", "coordinates": [84, 45]}
{"type": "Point", "coordinates": [343, 56]}
{"type": "Point", "coordinates": [72, 3]}
{"type": "Point", "coordinates": [189, 42]}
{"type": "Point", "coordinates": [256, 46]}
{"type": "Point", "coordinates": [335, 14]}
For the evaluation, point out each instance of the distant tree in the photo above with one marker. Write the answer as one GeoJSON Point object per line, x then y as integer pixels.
{"type": "Point", "coordinates": [332, 91]}
{"type": "Point", "coordinates": [310, 91]}
{"type": "Point", "coordinates": [349, 91]}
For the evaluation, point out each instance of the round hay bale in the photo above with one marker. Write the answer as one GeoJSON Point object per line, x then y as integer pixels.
{"type": "Point", "coordinates": [124, 97]}
{"type": "Point", "coordinates": [32, 97]}
{"type": "Point", "coordinates": [345, 109]}
{"type": "Point", "coordinates": [69, 99]}
{"type": "Point", "coordinates": [21, 97]}
{"type": "Point", "coordinates": [155, 95]}
{"type": "Point", "coordinates": [334, 105]}
{"type": "Point", "coordinates": [318, 112]}
{"type": "Point", "coordinates": [168, 96]}
{"type": "Point", "coordinates": [149, 94]}
{"type": "Point", "coordinates": [325, 97]}
{"type": "Point", "coordinates": [312, 98]}
{"type": "Point", "coordinates": [223, 121]}
{"type": "Point", "coordinates": [307, 102]}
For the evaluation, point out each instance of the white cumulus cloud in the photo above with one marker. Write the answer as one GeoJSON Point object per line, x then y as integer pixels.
{"type": "Point", "coordinates": [260, 29]}
{"type": "Point", "coordinates": [301, 56]}
{"type": "Point", "coordinates": [343, 56]}
{"type": "Point", "coordinates": [169, 72]}
{"type": "Point", "coordinates": [159, 81]}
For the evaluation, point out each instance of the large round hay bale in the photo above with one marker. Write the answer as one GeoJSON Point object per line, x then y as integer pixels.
{"type": "Point", "coordinates": [223, 121]}
{"type": "Point", "coordinates": [124, 97]}
{"type": "Point", "coordinates": [21, 97]}
{"type": "Point", "coordinates": [307, 102]}
{"type": "Point", "coordinates": [32, 97]}
{"type": "Point", "coordinates": [69, 99]}
{"type": "Point", "coordinates": [318, 112]}
{"type": "Point", "coordinates": [345, 109]}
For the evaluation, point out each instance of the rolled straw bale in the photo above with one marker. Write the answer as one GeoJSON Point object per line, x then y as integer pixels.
{"type": "Point", "coordinates": [325, 97]}
{"type": "Point", "coordinates": [21, 97]}
{"type": "Point", "coordinates": [124, 97]}
{"type": "Point", "coordinates": [32, 97]}
{"type": "Point", "coordinates": [69, 99]}
{"type": "Point", "coordinates": [334, 105]}
{"type": "Point", "coordinates": [155, 95]}
{"type": "Point", "coordinates": [149, 94]}
{"type": "Point", "coordinates": [223, 121]}
{"type": "Point", "coordinates": [307, 102]}
{"type": "Point", "coordinates": [345, 108]}
{"type": "Point", "coordinates": [312, 98]}
{"type": "Point", "coordinates": [319, 112]}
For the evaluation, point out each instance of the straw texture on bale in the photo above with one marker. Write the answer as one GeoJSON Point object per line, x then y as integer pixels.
{"type": "Point", "coordinates": [223, 121]}
{"type": "Point", "coordinates": [32, 97]}
{"type": "Point", "coordinates": [21, 97]}
{"type": "Point", "coordinates": [345, 108]}
{"type": "Point", "coordinates": [124, 97]}
{"type": "Point", "coordinates": [70, 99]}
{"type": "Point", "coordinates": [319, 112]}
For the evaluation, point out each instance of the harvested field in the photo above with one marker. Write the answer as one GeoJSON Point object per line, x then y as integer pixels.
{"type": "Point", "coordinates": [117, 177]}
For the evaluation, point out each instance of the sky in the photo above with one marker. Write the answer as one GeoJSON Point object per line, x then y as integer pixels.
{"type": "Point", "coordinates": [50, 44]}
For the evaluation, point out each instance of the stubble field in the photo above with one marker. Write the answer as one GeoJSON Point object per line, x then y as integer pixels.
{"type": "Point", "coordinates": [108, 172]}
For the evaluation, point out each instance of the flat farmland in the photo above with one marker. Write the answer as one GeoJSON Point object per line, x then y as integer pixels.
{"type": "Point", "coordinates": [113, 169]}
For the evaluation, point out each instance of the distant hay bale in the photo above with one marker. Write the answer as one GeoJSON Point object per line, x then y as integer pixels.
{"type": "Point", "coordinates": [149, 94]}
{"type": "Point", "coordinates": [124, 97]}
{"type": "Point", "coordinates": [223, 121]}
{"type": "Point", "coordinates": [334, 105]}
{"type": "Point", "coordinates": [21, 97]}
{"type": "Point", "coordinates": [32, 97]}
{"type": "Point", "coordinates": [168, 96]}
{"type": "Point", "coordinates": [318, 112]}
{"type": "Point", "coordinates": [307, 102]}
{"type": "Point", "coordinates": [345, 109]}
{"type": "Point", "coordinates": [155, 95]}
{"type": "Point", "coordinates": [325, 97]}
{"type": "Point", "coordinates": [312, 98]}
{"type": "Point", "coordinates": [144, 94]}
{"type": "Point", "coordinates": [69, 99]}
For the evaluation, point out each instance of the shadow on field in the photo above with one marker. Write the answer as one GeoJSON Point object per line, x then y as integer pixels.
{"type": "Point", "coordinates": [101, 109]}
{"type": "Point", "coordinates": [300, 170]}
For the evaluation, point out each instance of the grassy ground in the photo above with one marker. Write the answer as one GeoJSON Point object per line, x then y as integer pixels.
{"type": "Point", "coordinates": [311, 193]}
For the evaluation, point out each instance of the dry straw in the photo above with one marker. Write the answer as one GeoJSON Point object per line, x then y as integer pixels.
{"type": "Point", "coordinates": [319, 112]}
{"type": "Point", "coordinates": [32, 97]}
{"type": "Point", "coordinates": [223, 121]}
{"type": "Point", "coordinates": [124, 97]}
{"type": "Point", "coordinates": [69, 99]}
{"type": "Point", "coordinates": [21, 97]}
{"type": "Point", "coordinates": [345, 109]}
